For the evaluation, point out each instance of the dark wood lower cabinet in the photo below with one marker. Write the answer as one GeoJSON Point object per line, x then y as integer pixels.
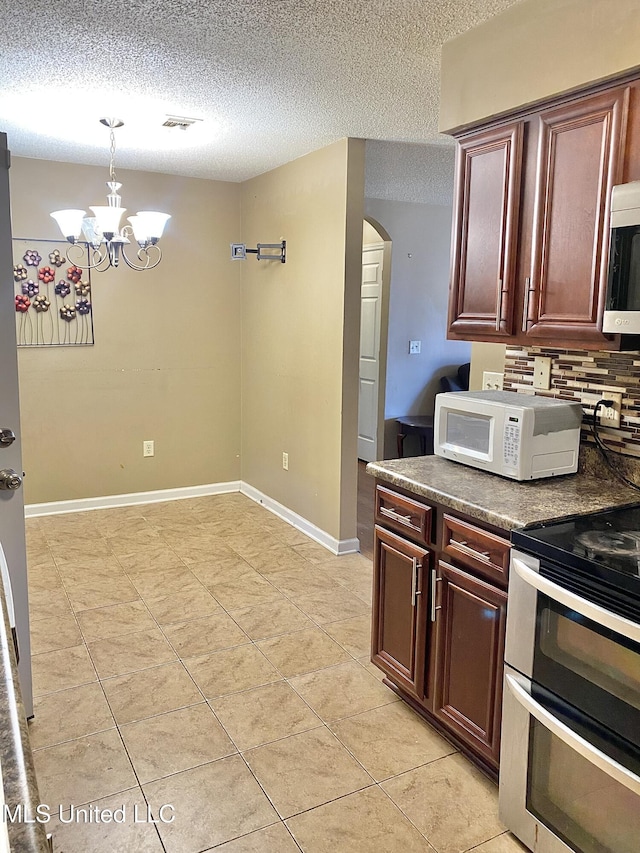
{"type": "Point", "coordinates": [399, 625]}
{"type": "Point", "coordinates": [469, 637]}
{"type": "Point", "coordinates": [438, 625]}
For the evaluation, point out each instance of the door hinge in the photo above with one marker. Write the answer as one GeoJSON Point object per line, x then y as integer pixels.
{"type": "Point", "coordinates": [7, 159]}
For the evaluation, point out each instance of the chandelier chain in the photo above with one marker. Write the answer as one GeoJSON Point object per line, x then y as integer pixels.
{"type": "Point", "coordinates": [112, 151]}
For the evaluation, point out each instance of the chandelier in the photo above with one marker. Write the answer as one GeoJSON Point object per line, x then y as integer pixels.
{"type": "Point", "coordinates": [106, 237]}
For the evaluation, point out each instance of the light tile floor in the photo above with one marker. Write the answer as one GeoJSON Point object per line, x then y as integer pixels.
{"type": "Point", "coordinates": [206, 655]}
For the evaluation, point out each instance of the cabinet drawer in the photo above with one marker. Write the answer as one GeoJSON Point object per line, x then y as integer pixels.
{"type": "Point", "coordinates": [403, 514]}
{"type": "Point", "coordinates": [484, 552]}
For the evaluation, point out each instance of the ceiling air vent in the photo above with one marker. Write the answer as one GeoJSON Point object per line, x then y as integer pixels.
{"type": "Point", "coordinates": [179, 121]}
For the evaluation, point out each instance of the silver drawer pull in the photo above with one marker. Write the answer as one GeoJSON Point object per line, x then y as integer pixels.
{"type": "Point", "coordinates": [395, 515]}
{"type": "Point", "coordinates": [467, 549]}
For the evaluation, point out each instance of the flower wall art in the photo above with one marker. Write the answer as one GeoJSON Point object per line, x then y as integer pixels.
{"type": "Point", "coordinates": [52, 297]}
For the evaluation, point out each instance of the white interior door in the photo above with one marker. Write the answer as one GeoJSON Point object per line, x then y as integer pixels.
{"type": "Point", "coordinates": [370, 315]}
{"type": "Point", "coordinates": [12, 502]}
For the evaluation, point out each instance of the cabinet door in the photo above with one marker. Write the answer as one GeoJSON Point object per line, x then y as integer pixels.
{"type": "Point", "coordinates": [485, 230]}
{"type": "Point", "coordinates": [579, 159]}
{"type": "Point", "coordinates": [470, 627]}
{"type": "Point", "coordinates": [399, 622]}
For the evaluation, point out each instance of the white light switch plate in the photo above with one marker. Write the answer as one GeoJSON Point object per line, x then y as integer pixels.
{"type": "Point", "coordinates": [492, 381]}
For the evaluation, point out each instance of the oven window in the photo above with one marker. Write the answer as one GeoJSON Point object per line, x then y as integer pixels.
{"type": "Point", "coordinates": [585, 807]}
{"type": "Point", "coordinates": [471, 432]}
{"type": "Point", "coordinates": [601, 658]}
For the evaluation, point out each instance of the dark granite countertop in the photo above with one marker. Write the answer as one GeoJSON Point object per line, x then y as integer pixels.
{"type": "Point", "coordinates": [499, 501]}
{"type": "Point", "coordinates": [18, 774]}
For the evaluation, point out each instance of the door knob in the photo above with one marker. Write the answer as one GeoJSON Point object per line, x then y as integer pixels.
{"type": "Point", "coordinates": [10, 479]}
{"type": "Point", "coordinates": [7, 437]}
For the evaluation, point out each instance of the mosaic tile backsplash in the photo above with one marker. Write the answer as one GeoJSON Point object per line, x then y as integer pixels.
{"type": "Point", "coordinates": [586, 377]}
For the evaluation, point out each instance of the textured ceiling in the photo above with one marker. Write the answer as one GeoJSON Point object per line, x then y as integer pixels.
{"type": "Point", "coordinates": [399, 171]}
{"type": "Point", "coordinates": [270, 79]}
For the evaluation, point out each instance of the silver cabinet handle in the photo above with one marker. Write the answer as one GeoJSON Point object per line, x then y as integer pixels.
{"type": "Point", "coordinates": [518, 688]}
{"type": "Point", "coordinates": [396, 516]}
{"type": "Point", "coordinates": [434, 580]}
{"type": "Point", "coordinates": [415, 592]}
{"type": "Point", "coordinates": [499, 307]}
{"type": "Point", "coordinates": [527, 297]}
{"type": "Point", "coordinates": [597, 614]}
{"type": "Point", "coordinates": [467, 549]}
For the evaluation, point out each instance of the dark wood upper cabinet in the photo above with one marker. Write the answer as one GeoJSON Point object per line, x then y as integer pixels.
{"type": "Point", "coordinates": [530, 238]}
{"type": "Point", "coordinates": [470, 631]}
{"type": "Point", "coordinates": [579, 159]}
{"type": "Point", "coordinates": [399, 617]}
{"type": "Point", "coordinates": [487, 201]}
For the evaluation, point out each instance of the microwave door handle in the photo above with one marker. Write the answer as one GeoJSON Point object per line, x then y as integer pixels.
{"type": "Point", "coordinates": [519, 688]}
{"type": "Point", "coordinates": [597, 614]}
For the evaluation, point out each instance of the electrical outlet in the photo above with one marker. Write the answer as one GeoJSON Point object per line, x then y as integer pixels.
{"type": "Point", "coordinates": [542, 373]}
{"type": "Point", "coordinates": [492, 381]}
{"type": "Point", "coordinates": [415, 347]}
{"type": "Point", "coordinates": [610, 415]}
{"type": "Point", "coordinates": [285, 461]}
{"type": "Point", "coordinates": [148, 448]}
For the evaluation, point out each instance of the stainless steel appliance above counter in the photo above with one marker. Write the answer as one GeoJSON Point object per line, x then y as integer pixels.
{"type": "Point", "coordinates": [622, 308]}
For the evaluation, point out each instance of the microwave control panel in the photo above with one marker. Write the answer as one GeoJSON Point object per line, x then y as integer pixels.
{"type": "Point", "coordinates": [512, 430]}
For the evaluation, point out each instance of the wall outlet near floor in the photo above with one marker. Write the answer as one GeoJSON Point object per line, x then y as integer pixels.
{"type": "Point", "coordinates": [542, 373]}
{"type": "Point", "coordinates": [285, 461]}
{"type": "Point", "coordinates": [415, 347]}
{"type": "Point", "coordinates": [610, 415]}
{"type": "Point", "coordinates": [492, 381]}
{"type": "Point", "coordinates": [148, 448]}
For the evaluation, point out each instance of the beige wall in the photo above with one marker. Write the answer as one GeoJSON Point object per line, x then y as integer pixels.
{"type": "Point", "coordinates": [300, 330]}
{"type": "Point", "coordinates": [532, 50]}
{"type": "Point", "coordinates": [485, 357]}
{"type": "Point", "coordinates": [166, 360]}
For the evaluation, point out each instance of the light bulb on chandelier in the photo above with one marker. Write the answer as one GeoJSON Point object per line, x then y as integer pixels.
{"type": "Point", "coordinates": [103, 232]}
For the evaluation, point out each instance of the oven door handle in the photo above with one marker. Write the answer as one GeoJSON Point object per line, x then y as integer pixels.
{"type": "Point", "coordinates": [597, 614]}
{"type": "Point", "coordinates": [519, 687]}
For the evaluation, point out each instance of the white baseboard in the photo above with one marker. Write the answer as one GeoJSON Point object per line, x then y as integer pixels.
{"type": "Point", "coordinates": [110, 501]}
{"type": "Point", "coordinates": [336, 546]}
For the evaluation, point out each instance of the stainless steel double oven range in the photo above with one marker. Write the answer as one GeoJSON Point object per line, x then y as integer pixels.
{"type": "Point", "coordinates": [570, 763]}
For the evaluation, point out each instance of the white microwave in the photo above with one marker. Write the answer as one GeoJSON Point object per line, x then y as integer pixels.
{"type": "Point", "coordinates": [506, 433]}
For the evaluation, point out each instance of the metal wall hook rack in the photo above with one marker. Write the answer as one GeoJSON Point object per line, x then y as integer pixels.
{"type": "Point", "coordinates": [239, 252]}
